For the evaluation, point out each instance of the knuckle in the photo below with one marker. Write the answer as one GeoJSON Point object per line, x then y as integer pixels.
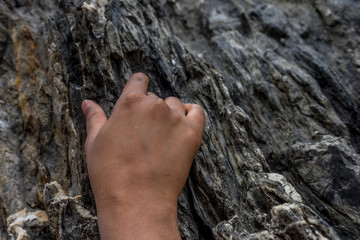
{"type": "Point", "coordinates": [131, 98]}
{"type": "Point", "coordinates": [172, 99]}
{"type": "Point", "coordinates": [157, 104]}
{"type": "Point", "coordinates": [199, 109]}
{"type": "Point", "coordinates": [175, 117]}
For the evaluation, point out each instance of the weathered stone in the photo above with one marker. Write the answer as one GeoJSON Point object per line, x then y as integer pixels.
{"type": "Point", "coordinates": [27, 225]}
{"type": "Point", "coordinates": [279, 82]}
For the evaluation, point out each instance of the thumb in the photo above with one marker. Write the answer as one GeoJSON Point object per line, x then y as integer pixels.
{"type": "Point", "coordinates": [95, 119]}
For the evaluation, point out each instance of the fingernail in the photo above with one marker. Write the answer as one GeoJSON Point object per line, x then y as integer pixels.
{"type": "Point", "coordinates": [85, 106]}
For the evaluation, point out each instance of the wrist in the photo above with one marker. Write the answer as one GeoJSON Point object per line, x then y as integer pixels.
{"type": "Point", "coordinates": [137, 219]}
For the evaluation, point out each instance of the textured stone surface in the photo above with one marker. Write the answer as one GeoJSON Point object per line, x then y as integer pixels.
{"type": "Point", "coordinates": [279, 81]}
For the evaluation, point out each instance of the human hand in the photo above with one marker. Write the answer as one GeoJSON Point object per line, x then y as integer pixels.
{"type": "Point", "coordinates": [139, 159]}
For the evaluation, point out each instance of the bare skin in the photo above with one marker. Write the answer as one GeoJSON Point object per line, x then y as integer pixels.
{"type": "Point", "coordinates": [139, 159]}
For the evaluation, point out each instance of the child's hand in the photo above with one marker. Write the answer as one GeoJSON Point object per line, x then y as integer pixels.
{"type": "Point", "coordinates": [139, 160]}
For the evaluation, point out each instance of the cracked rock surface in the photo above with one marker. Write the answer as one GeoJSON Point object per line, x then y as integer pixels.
{"type": "Point", "coordinates": [279, 82]}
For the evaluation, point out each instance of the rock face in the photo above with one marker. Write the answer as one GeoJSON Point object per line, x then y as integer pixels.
{"type": "Point", "coordinates": [279, 81]}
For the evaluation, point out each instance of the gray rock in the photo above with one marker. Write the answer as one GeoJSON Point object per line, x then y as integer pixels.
{"type": "Point", "coordinates": [279, 82]}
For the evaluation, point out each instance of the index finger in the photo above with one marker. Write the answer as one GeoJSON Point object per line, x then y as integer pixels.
{"type": "Point", "coordinates": [137, 83]}
{"type": "Point", "coordinates": [196, 115]}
